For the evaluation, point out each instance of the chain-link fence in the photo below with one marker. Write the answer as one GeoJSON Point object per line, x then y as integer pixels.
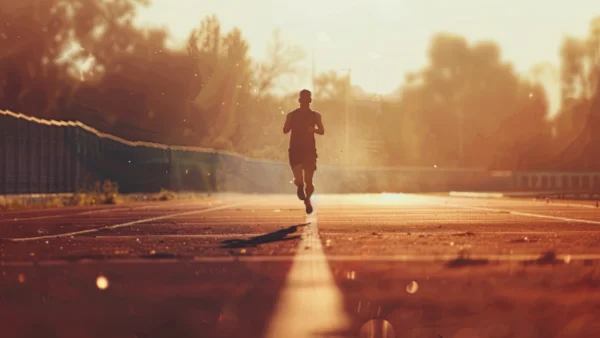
{"type": "Point", "coordinates": [42, 156]}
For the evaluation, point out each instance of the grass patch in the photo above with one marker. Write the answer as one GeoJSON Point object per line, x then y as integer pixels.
{"type": "Point", "coordinates": [105, 193]}
{"type": "Point", "coordinates": [164, 195]}
{"type": "Point", "coordinates": [97, 194]}
{"type": "Point", "coordinates": [7, 203]}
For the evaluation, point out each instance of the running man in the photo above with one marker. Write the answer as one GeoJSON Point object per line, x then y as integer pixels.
{"type": "Point", "coordinates": [303, 123]}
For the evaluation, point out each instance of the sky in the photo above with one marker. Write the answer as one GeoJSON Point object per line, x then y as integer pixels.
{"type": "Point", "coordinates": [381, 40]}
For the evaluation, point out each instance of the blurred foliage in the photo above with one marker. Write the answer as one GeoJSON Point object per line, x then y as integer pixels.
{"type": "Point", "coordinates": [99, 193]}
{"type": "Point", "coordinates": [85, 60]}
{"type": "Point", "coordinates": [467, 108]}
{"type": "Point", "coordinates": [576, 130]}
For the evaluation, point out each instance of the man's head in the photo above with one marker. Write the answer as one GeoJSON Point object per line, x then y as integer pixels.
{"type": "Point", "coordinates": [305, 98]}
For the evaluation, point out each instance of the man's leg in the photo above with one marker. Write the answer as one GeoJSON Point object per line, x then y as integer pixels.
{"type": "Point", "coordinates": [308, 179]}
{"type": "Point", "coordinates": [310, 166]}
{"type": "Point", "coordinates": [310, 188]}
{"type": "Point", "coordinates": [298, 181]}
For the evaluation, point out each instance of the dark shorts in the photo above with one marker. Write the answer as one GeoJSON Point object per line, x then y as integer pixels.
{"type": "Point", "coordinates": [307, 158]}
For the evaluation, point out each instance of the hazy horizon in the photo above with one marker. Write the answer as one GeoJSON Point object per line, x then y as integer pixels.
{"type": "Point", "coordinates": [372, 36]}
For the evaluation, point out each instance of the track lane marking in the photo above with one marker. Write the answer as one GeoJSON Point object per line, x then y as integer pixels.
{"type": "Point", "coordinates": [338, 233]}
{"type": "Point", "coordinates": [126, 224]}
{"type": "Point", "coordinates": [436, 201]}
{"type": "Point", "coordinates": [303, 312]}
{"type": "Point", "coordinates": [526, 214]}
{"type": "Point", "coordinates": [130, 207]}
{"type": "Point", "coordinates": [436, 259]}
{"type": "Point", "coordinates": [66, 215]}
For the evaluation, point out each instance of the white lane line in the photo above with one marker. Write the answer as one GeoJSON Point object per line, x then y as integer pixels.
{"type": "Point", "coordinates": [461, 233]}
{"type": "Point", "coordinates": [65, 215]}
{"type": "Point", "coordinates": [310, 304]}
{"type": "Point", "coordinates": [539, 201]}
{"type": "Point", "coordinates": [436, 201]}
{"type": "Point", "coordinates": [475, 194]}
{"type": "Point", "coordinates": [394, 258]}
{"type": "Point", "coordinates": [526, 214]}
{"type": "Point", "coordinates": [177, 236]}
{"type": "Point", "coordinates": [91, 212]}
{"type": "Point", "coordinates": [454, 233]}
{"type": "Point", "coordinates": [309, 259]}
{"type": "Point", "coordinates": [576, 205]}
{"type": "Point", "coordinates": [121, 225]}
{"type": "Point", "coordinates": [400, 234]}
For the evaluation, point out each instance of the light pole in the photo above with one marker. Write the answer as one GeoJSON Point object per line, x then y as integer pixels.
{"type": "Point", "coordinates": [314, 89]}
{"type": "Point", "coordinates": [460, 114]}
{"type": "Point", "coordinates": [321, 37]}
{"type": "Point", "coordinates": [375, 56]}
{"type": "Point", "coordinates": [347, 136]}
{"type": "Point", "coordinates": [460, 138]}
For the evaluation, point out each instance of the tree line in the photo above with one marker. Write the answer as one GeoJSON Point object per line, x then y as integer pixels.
{"type": "Point", "coordinates": [86, 60]}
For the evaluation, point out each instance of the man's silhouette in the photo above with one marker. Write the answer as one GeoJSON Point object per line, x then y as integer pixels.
{"type": "Point", "coordinates": [303, 123]}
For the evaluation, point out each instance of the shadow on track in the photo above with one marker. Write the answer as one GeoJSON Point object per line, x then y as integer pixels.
{"type": "Point", "coordinates": [275, 236]}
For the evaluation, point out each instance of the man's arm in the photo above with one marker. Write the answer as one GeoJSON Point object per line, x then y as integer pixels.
{"type": "Point", "coordinates": [320, 129]}
{"type": "Point", "coordinates": [287, 126]}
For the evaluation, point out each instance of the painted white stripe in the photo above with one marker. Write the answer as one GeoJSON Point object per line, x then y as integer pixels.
{"type": "Point", "coordinates": [312, 259]}
{"type": "Point", "coordinates": [475, 194]}
{"type": "Point", "coordinates": [527, 214]}
{"type": "Point", "coordinates": [121, 225]}
{"type": "Point", "coordinates": [180, 236]}
{"type": "Point", "coordinates": [569, 204]}
{"type": "Point", "coordinates": [304, 312]}
{"type": "Point", "coordinates": [437, 201]}
{"type": "Point", "coordinates": [341, 233]}
{"type": "Point", "coordinates": [393, 258]}
{"type": "Point", "coordinates": [131, 207]}
{"type": "Point", "coordinates": [64, 215]}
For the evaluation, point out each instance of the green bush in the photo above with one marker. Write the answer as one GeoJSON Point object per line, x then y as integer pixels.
{"type": "Point", "coordinates": [165, 195]}
{"type": "Point", "coordinates": [106, 193]}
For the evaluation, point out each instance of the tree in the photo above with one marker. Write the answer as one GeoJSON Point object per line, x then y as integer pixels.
{"type": "Point", "coordinates": [282, 60]}
{"type": "Point", "coordinates": [47, 50]}
{"type": "Point", "coordinates": [578, 123]}
{"type": "Point", "coordinates": [224, 67]}
{"type": "Point", "coordinates": [573, 80]}
{"type": "Point", "coordinates": [457, 102]}
{"type": "Point", "coordinates": [262, 106]}
{"type": "Point", "coordinates": [31, 38]}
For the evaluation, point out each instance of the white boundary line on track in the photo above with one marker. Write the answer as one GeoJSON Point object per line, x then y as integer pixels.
{"type": "Point", "coordinates": [131, 207]}
{"type": "Point", "coordinates": [181, 236]}
{"type": "Point", "coordinates": [309, 258]}
{"type": "Point", "coordinates": [308, 312]}
{"type": "Point", "coordinates": [526, 214]}
{"type": "Point", "coordinates": [497, 196]}
{"type": "Point", "coordinates": [453, 233]}
{"type": "Point", "coordinates": [575, 205]}
{"type": "Point", "coordinates": [121, 225]}
{"type": "Point", "coordinates": [442, 202]}
{"type": "Point", "coordinates": [65, 215]}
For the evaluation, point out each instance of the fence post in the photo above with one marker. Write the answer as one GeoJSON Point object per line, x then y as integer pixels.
{"type": "Point", "coordinates": [50, 158]}
{"type": "Point", "coordinates": [4, 147]}
{"type": "Point", "coordinates": [212, 172]}
{"type": "Point", "coordinates": [79, 156]}
{"type": "Point", "coordinates": [60, 163]}
{"type": "Point", "coordinates": [18, 157]}
{"type": "Point", "coordinates": [170, 170]}
{"type": "Point", "coordinates": [67, 144]}
{"type": "Point", "coordinates": [30, 157]}
{"type": "Point", "coordinates": [40, 158]}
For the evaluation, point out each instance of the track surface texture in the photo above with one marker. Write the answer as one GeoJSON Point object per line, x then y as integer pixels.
{"type": "Point", "coordinates": [381, 265]}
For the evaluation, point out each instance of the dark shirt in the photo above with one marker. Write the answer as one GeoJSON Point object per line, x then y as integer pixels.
{"type": "Point", "coordinates": [301, 120]}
